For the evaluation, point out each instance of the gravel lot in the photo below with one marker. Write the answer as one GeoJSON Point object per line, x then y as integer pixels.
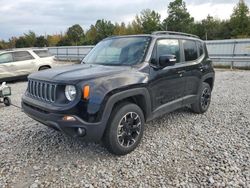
{"type": "Point", "coordinates": [179, 149]}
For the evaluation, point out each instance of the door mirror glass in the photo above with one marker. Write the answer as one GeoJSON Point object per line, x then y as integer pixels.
{"type": "Point", "coordinates": [167, 60]}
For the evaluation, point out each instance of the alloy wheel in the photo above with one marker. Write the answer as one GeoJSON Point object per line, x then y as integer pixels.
{"type": "Point", "coordinates": [129, 129]}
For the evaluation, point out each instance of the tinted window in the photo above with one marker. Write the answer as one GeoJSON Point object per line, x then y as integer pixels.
{"type": "Point", "coordinates": [190, 50]}
{"type": "Point", "coordinates": [168, 47]}
{"type": "Point", "coordinates": [200, 48]}
{"type": "Point", "coordinates": [5, 58]}
{"type": "Point", "coordinates": [22, 56]}
{"type": "Point", "coordinates": [42, 53]}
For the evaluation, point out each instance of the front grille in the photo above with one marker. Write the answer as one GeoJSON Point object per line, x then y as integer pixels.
{"type": "Point", "coordinates": [42, 90]}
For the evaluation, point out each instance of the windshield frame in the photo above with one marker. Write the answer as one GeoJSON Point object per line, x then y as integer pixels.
{"type": "Point", "coordinates": [142, 59]}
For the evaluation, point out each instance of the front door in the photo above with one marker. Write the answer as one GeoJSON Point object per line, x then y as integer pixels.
{"type": "Point", "coordinates": [6, 65]}
{"type": "Point", "coordinates": [167, 85]}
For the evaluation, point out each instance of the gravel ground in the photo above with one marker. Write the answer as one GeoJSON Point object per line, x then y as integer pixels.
{"type": "Point", "coordinates": [181, 149]}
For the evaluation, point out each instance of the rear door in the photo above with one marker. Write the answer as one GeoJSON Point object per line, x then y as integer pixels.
{"type": "Point", "coordinates": [194, 55]}
{"type": "Point", "coordinates": [24, 63]}
{"type": "Point", "coordinates": [166, 85]}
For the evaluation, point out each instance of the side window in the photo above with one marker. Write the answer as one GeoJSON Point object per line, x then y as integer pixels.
{"type": "Point", "coordinates": [22, 56]}
{"type": "Point", "coordinates": [42, 53]}
{"type": "Point", "coordinates": [5, 58]}
{"type": "Point", "coordinates": [190, 50]}
{"type": "Point", "coordinates": [200, 48]}
{"type": "Point", "coordinates": [168, 47]}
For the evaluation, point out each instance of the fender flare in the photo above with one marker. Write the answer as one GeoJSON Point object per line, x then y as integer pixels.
{"type": "Point", "coordinates": [209, 75]}
{"type": "Point", "coordinates": [119, 96]}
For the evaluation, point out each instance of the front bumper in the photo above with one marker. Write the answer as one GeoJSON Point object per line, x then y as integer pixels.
{"type": "Point", "coordinates": [93, 131]}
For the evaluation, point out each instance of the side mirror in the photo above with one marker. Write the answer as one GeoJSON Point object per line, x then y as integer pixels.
{"type": "Point", "coordinates": [167, 60]}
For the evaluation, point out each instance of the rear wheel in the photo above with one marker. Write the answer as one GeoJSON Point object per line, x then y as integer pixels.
{"type": "Point", "coordinates": [125, 129]}
{"type": "Point", "coordinates": [203, 101]}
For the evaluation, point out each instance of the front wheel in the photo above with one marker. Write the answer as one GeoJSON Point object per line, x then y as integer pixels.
{"type": "Point", "coordinates": [125, 129]}
{"type": "Point", "coordinates": [7, 101]}
{"type": "Point", "coordinates": [203, 100]}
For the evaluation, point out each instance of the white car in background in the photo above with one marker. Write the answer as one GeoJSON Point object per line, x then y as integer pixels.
{"type": "Point", "coordinates": [20, 63]}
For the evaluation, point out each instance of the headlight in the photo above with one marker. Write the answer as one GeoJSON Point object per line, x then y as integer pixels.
{"type": "Point", "coordinates": [70, 92]}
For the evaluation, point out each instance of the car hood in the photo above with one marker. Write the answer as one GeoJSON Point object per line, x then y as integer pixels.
{"type": "Point", "coordinates": [74, 73]}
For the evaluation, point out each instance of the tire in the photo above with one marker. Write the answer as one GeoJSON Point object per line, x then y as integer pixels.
{"type": "Point", "coordinates": [7, 101]}
{"type": "Point", "coordinates": [203, 101]}
{"type": "Point", "coordinates": [44, 68]}
{"type": "Point", "coordinates": [125, 129]}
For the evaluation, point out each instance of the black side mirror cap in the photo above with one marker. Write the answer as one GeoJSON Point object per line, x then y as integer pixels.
{"type": "Point", "coordinates": [167, 60]}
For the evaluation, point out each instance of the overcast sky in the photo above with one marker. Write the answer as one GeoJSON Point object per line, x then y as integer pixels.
{"type": "Point", "coordinates": [55, 16]}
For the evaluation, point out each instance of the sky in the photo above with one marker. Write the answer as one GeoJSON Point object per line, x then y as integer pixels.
{"type": "Point", "coordinates": [55, 16]}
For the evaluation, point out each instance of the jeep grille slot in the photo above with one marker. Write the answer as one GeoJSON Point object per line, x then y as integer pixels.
{"type": "Point", "coordinates": [42, 90]}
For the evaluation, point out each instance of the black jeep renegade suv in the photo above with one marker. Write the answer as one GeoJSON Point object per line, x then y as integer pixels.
{"type": "Point", "coordinates": [122, 83]}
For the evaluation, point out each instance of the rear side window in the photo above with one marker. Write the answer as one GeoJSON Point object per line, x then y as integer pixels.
{"type": "Point", "coordinates": [42, 53]}
{"type": "Point", "coordinates": [190, 50]}
{"type": "Point", "coordinates": [6, 58]}
{"type": "Point", "coordinates": [168, 47]}
{"type": "Point", "coordinates": [22, 56]}
{"type": "Point", "coordinates": [200, 48]}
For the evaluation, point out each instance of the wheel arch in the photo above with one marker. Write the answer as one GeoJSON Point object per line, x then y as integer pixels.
{"type": "Point", "coordinates": [44, 66]}
{"type": "Point", "coordinates": [138, 96]}
{"type": "Point", "coordinates": [209, 79]}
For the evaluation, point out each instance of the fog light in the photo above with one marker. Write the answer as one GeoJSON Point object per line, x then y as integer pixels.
{"type": "Point", "coordinates": [81, 131]}
{"type": "Point", "coordinates": [69, 118]}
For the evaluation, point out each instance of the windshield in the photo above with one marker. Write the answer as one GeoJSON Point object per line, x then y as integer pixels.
{"type": "Point", "coordinates": [118, 51]}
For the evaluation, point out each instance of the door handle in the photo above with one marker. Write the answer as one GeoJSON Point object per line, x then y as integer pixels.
{"type": "Point", "coordinates": [181, 72]}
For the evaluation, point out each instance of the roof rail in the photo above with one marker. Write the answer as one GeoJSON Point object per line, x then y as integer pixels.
{"type": "Point", "coordinates": [174, 33]}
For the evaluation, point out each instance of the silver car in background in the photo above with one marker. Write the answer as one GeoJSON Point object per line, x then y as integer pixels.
{"type": "Point", "coordinates": [22, 62]}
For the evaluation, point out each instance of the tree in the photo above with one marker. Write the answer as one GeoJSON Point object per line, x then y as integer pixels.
{"type": "Point", "coordinates": [120, 29]}
{"type": "Point", "coordinates": [53, 39]}
{"type": "Point", "coordinates": [135, 27]}
{"type": "Point", "coordinates": [64, 41]}
{"type": "Point", "coordinates": [41, 42]}
{"type": "Point", "coordinates": [2, 45]}
{"type": "Point", "coordinates": [75, 34]}
{"type": "Point", "coordinates": [30, 38]}
{"type": "Point", "coordinates": [240, 20]}
{"type": "Point", "coordinates": [12, 42]}
{"type": "Point", "coordinates": [224, 30]}
{"type": "Point", "coordinates": [104, 29]}
{"type": "Point", "coordinates": [21, 42]}
{"type": "Point", "coordinates": [91, 36]}
{"type": "Point", "coordinates": [150, 21]}
{"type": "Point", "coordinates": [210, 28]}
{"type": "Point", "coordinates": [178, 18]}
